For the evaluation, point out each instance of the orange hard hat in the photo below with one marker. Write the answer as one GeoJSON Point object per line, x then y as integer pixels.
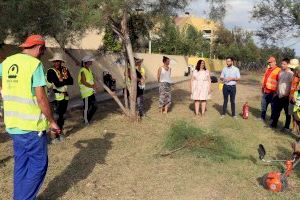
{"type": "Point", "coordinates": [32, 41]}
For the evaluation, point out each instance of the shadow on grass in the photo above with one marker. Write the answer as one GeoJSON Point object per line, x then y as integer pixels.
{"type": "Point", "coordinates": [91, 152]}
{"type": "Point", "coordinates": [250, 82]}
{"type": "Point", "coordinates": [76, 115]}
{"type": "Point", "coordinates": [148, 103]}
{"type": "Point", "coordinates": [178, 97]}
{"type": "Point", "coordinates": [219, 108]}
{"type": "Point", "coordinates": [192, 107]}
{"type": "Point", "coordinates": [4, 137]}
{"type": "Point", "coordinates": [257, 114]}
{"type": "Point", "coordinates": [5, 160]}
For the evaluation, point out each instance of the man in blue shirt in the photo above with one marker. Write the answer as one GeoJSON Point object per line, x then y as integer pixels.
{"type": "Point", "coordinates": [229, 76]}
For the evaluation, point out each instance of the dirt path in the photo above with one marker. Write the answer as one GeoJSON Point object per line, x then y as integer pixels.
{"type": "Point", "coordinates": [113, 159]}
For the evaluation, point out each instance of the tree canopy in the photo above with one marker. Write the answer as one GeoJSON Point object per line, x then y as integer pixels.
{"type": "Point", "coordinates": [64, 19]}
{"type": "Point", "coordinates": [240, 44]}
{"type": "Point", "coordinates": [280, 19]}
{"type": "Point", "coordinates": [186, 41]}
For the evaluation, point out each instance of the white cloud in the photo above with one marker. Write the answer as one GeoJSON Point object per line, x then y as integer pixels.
{"type": "Point", "coordinates": [238, 14]}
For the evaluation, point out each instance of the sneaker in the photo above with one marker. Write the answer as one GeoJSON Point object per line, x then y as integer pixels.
{"type": "Point", "coordinates": [222, 116]}
{"type": "Point", "coordinates": [235, 117]}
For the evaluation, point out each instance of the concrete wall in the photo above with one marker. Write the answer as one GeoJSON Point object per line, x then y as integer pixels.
{"type": "Point", "coordinates": [211, 64]}
{"type": "Point", "coordinates": [107, 63]}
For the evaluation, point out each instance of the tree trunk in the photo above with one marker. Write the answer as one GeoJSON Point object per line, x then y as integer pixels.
{"type": "Point", "coordinates": [126, 87]}
{"type": "Point", "coordinates": [111, 93]}
{"type": "Point", "coordinates": [128, 47]}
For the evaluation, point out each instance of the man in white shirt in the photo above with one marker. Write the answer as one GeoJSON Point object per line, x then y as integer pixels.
{"type": "Point", "coordinates": [230, 75]}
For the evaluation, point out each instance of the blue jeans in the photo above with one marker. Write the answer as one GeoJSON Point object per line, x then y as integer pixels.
{"type": "Point", "coordinates": [229, 90]}
{"type": "Point", "coordinates": [267, 99]}
{"type": "Point", "coordinates": [31, 163]}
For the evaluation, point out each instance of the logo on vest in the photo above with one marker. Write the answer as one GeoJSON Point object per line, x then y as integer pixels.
{"type": "Point", "coordinates": [13, 71]}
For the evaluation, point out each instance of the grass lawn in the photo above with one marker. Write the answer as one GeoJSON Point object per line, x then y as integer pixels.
{"type": "Point", "coordinates": [114, 159]}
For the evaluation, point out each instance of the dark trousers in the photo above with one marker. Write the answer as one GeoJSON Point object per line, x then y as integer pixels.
{"type": "Point", "coordinates": [90, 108]}
{"type": "Point", "coordinates": [279, 104]}
{"type": "Point", "coordinates": [229, 90]}
{"type": "Point", "coordinates": [31, 163]}
{"type": "Point", "coordinates": [267, 99]}
{"type": "Point", "coordinates": [61, 109]}
{"type": "Point", "coordinates": [140, 105]}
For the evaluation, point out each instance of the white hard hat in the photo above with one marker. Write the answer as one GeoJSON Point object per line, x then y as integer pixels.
{"type": "Point", "coordinates": [57, 57]}
{"type": "Point", "coordinates": [88, 58]}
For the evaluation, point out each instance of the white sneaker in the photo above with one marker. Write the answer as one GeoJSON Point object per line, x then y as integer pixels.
{"type": "Point", "coordinates": [235, 117]}
{"type": "Point", "coordinates": [222, 116]}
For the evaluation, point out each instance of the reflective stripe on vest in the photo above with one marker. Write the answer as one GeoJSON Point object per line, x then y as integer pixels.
{"type": "Point", "coordinates": [86, 91]}
{"type": "Point", "coordinates": [24, 116]}
{"type": "Point", "coordinates": [20, 100]}
{"type": "Point", "coordinates": [64, 89]}
{"type": "Point", "coordinates": [272, 81]}
{"type": "Point", "coordinates": [20, 105]}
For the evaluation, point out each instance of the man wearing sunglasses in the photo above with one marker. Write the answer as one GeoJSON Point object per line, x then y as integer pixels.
{"type": "Point", "coordinates": [269, 87]}
{"type": "Point", "coordinates": [27, 115]}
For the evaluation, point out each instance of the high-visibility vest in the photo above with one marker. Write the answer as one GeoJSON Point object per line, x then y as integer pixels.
{"type": "Point", "coordinates": [297, 101]}
{"type": "Point", "coordinates": [272, 82]}
{"type": "Point", "coordinates": [86, 91]}
{"type": "Point", "coordinates": [21, 109]}
{"type": "Point", "coordinates": [60, 92]}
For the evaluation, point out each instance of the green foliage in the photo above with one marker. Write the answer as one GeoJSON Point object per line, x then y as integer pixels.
{"type": "Point", "coordinates": [217, 10]}
{"type": "Point", "coordinates": [60, 19]}
{"type": "Point", "coordinates": [172, 40]}
{"type": "Point", "coordinates": [240, 44]}
{"type": "Point", "coordinates": [279, 53]}
{"type": "Point", "coordinates": [199, 142]}
{"type": "Point", "coordinates": [139, 26]}
{"type": "Point", "coordinates": [111, 41]}
{"type": "Point", "coordinates": [65, 19]}
{"type": "Point", "coordinates": [280, 19]}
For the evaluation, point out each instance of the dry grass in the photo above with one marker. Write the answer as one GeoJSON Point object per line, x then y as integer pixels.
{"type": "Point", "coordinates": [114, 159]}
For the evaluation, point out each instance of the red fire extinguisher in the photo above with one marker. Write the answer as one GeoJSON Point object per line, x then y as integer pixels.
{"type": "Point", "coordinates": [245, 111]}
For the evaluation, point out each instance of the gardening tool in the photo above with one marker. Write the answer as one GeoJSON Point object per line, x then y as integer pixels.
{"type": "Point", "coordinates": [277, 181]}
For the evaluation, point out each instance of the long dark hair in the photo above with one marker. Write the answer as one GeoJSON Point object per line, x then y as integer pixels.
{"type": "Point", "coordinates": [198, 66]}
{"type": "Point", "coordinates": [165, 58]}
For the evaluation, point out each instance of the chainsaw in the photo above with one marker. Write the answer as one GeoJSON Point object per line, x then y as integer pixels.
{"type": "Point", "coordinates": [277, 181]}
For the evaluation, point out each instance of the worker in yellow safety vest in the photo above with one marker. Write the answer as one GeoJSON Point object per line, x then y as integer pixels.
{"type": "Point", "coordinates": [87, 87]}
{"type": "Point", "coordinates": [27, 116]}
{"type": "Point", "coordinates": [58, 79]}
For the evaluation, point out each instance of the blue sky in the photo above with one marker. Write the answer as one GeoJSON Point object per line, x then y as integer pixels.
{"type": "Point", "coordinates": [238, 14]}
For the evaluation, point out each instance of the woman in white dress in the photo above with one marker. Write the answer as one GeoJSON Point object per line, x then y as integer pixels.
{"type": "Point", "coordinates": [200, 87]}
